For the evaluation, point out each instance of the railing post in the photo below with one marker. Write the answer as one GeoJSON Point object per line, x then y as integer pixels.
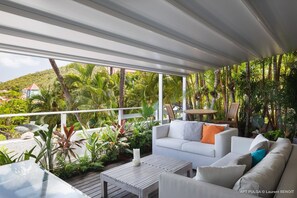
{"type": "Point", "coordinates": [63, 121]}
{"type": "Point", "coordinates": [120, 116]}
{"type": "Point", "coordinates": [156, 115]}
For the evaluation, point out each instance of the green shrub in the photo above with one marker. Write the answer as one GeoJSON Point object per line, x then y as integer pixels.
{"type": "Point", "coordinates": [273, 135]}
{"type": "Point", "coordinates": [84, 164]}
{"type": "Point", "coordinates": [141, 136]}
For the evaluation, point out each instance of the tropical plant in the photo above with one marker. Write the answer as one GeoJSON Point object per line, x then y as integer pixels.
{"type": "Point", "coordinates": [92, 91]}
{"type": "Point", "coordinates": [274, 135]}
{"type": "Point", "coordinates": [12, 106]}
{"type": "Point", "coordinates": [113, 143]}
{"type": "Point", "coordinates": [8, 157]}
{"type": "Point", "coordinates": [147, 111]}
{"type": "Point", "coordinates": [44, 141]}
{"type": "Point", "coordinates": [81, 165]}
{"type": "Point", "coordinates": [93, 145]}
{"type": "Point", "coordinates": [47, 101]}
{"type": "Point", "coordinates": [141, 136]}
{"type": "Point", "coordinates": [66, 145]}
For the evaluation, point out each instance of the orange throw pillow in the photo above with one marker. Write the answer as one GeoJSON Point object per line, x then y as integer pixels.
{"type": "Point", "coordinates": [208, 133]}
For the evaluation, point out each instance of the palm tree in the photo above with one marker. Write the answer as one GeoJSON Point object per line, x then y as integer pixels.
{"type": "Point", "coordinates": [47, 101]}
{"type": "Point", "coordinates": [91, 91]}
{"type": "Point", "coordinates": [66, 92]}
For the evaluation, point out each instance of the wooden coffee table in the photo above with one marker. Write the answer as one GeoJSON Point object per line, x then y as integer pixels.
{"type": "Point", "coordinates": [143, 180]}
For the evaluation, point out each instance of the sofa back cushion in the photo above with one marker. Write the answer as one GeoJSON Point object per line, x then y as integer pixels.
{"type": "Point", "coordinates": [282, 146]}
{"type": "Point", "coordinates": [187, 130]}
{"type": "Point", "coordinates": [264, 177]}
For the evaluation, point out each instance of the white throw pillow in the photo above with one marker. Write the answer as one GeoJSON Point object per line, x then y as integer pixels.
{"type": "Point", "coordinates": [176, 129]}
{"type": "Point", "coordinates": [260, 142]}
{"type": "Point", "coordinates": [225, 176]}
{"type": "Point", "coordinates": [188, 130]}
{"type": "Point", "coordinates": [226, 126]}
{"type": "Point", "coordinates": [192, 131]}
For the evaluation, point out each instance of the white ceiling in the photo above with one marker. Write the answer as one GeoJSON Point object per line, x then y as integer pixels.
{"type": "Point", "coordinates": [166, 36]}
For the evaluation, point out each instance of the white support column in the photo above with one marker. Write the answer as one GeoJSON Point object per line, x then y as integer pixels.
{"type": "Point", "coordinates": [120, 116]}
{"type": "Point", "coordinates": [63, 121]}
{"type": "Point", "coordinates": [161, 98]}
{"type": "Point", "coordinates": [184, 97]}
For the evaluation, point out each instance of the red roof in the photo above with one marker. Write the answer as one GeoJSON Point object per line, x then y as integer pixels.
{"type": "Point", "coordinates": [33, 87]}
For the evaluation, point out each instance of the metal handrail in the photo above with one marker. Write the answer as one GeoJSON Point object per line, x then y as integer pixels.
{"type": "Point", "coordinates": [67, 112]}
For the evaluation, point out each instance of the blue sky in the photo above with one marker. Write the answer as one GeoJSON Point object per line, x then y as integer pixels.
{"type": "Point", "coordinates": [13, 66]}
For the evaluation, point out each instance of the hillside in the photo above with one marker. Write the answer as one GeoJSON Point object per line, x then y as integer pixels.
{"type": "Point", "coordinates": [43, 79]}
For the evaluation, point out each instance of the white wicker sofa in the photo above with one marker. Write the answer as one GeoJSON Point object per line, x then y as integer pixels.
{"type": "Point", "coordinates": [179, 145]}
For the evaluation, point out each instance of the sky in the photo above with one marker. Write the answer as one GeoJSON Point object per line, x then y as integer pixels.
{"type": "Point", "coordinates": [13, 66]}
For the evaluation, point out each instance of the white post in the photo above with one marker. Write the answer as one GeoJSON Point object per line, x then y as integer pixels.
{"type": "Point", "coordinates": [63, 121]}
{"type": "Point", "coordinates": [184, 97]}
{"type": "Point", "coordinates": [120, 116]}
{"type": "Point", "coordinates": [157, 115]}
{"type": "Point", "coordinates": [161, 98]}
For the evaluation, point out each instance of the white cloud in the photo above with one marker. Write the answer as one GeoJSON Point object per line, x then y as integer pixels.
{"type": "Point", "coordinates": [17, 61]}
{"type": "Point", "coordinates": [13, 65]}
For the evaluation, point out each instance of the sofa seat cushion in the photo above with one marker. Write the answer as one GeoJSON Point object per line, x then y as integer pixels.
{"type": "Point", "coordinates": [199, 148]}
{"type": "Point", "coordinates": [224, 161]}
{"type": "Point", "coordinates": [172, 143]}
{"type": "Point", "coordinates": [263, 178]}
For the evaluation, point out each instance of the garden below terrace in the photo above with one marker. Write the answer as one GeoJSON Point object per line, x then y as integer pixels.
{"type": "Point", "coordinates": [66, 153]}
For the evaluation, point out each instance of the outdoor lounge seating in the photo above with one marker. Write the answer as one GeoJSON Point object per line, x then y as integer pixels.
{"type": "Point", "coordinates": [271, 176]}
{"type": "Point", "coordinates": [181, 139]}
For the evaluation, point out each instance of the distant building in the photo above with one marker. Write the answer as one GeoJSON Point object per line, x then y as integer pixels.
{"type": "Point", "coordinates": [30, 91]}
{"type": "Point", "coordinates": [3, 99]}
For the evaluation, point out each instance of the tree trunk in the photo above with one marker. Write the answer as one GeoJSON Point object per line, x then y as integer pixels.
{"type": "Point", "coordinates": [231, 85]}
{"type": "Point", "coordinates": [202, 83]}
{"type": "Point", "coordinates": [215, 93]}
{"type": "Point", "coordinates": [247, 121]}
{"type": "Point", "coordinates": [110, 70]}
{"type": "Point", "coordinates": [276, 69]}
{"type": "Point", "coordinates": [222, 84]}
{"type": "Point", "coordinates": [64, 89]}
{"type": "Point", "coordinates": [196, 89]}
{"type": "Point", "coordinates": [226, 86]}
{"type": "Point", "coordinates": [122, 88]}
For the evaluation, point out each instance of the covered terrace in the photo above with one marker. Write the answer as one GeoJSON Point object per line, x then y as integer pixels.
{"type": "Point", "coordinates": [162, 36]}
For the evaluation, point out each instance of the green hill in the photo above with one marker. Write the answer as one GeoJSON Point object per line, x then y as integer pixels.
{"type": "Point", "coordinates": [43, 79]}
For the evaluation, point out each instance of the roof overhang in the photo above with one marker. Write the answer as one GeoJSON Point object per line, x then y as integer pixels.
{"type": "Point", "coordinates": [172, 36]}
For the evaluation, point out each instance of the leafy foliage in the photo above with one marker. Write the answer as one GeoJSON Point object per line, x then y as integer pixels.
{"type": "Point", "coordinates": [141, 136]}
{"type": "Point", "coordinates": [66, 146]}
{"type": "Point", "coordinates": [112, 143]}
{"type": "Point", "coordinates": [83, 164]}
{"type": "Point", "coordinates": [8, 157]}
